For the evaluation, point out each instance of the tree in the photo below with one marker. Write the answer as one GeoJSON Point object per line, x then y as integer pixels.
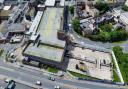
{"type": "Point", "coordinates": [76, 25]}
{"type": "Point", "coordinates": [114, 36]}
{"type": "Point", "coordinates": [107, 27]}
{"type": "Point", "coordinates": [102, 7]}
{"type": "Point", "coordinates": [71, 10]}
{"type": "Point", "coordinates": [125, 8]}
{"type": "Point", "coordinates": [119, 35]}
{"type": "Point", "coordinates": [104, 36]}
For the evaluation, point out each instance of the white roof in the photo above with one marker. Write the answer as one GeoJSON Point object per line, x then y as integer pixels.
{"type": "Point", "coordinates": [1, 1]}
{"type": "Point", "coordinates": [49, 2]}
{"type": "Point", "coordinates": [33, 37]}
{"type": "Point", "coordinates": [40, 5]}
{"type": "Point", "coordinates": [35, 23]}
{"type": "Point", "coordinates": [83, 20]}
{"type": "Point", "coordinates": [62, 2]}
{"type": "Point", "coordinates": [7, 7]}
{"type": "Point", "coordinates": [117, 12]}
{"type": "Point", "coordinates": [91, 26]}
{"type": "Point", "coordinates": [126, 3]}
{"type": "Point", "coordinates": [124, 18]}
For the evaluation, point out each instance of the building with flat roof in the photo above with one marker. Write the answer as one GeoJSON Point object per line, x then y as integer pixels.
{"type": "Point", "coordinates": [49, 49]}
{"type": "Point", "coordinates": [54, 2]}
{"type": "Point", "coordinates": [51, 23]}
{"type": "Point", "coordinates": [6, 31]}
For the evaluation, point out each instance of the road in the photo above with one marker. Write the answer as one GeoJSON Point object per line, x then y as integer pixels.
{"type": "Point", "coordinates": [82, 40]}
{"type": "Point", "coordinates": [18, 85]}
{"type": "Point", "coordinates": [32, 76]}
{"type": "Point", "coordinates": [86, 41]}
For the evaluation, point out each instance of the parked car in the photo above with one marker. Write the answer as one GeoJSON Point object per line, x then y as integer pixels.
{"type": "Point", "coordinates": [57, 87]}
{"type": "Point", "coordinates": [7, 80]}
{"type": "Point", "coordinates": [38, 83]}
{"type": "Point", "coordinates": [11, 85]}
{"type": "Point", "coordinates": [51, 78]}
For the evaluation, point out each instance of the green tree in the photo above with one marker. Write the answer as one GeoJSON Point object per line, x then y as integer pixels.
{"type": "Point", "coordinates": [125, 8]}
{"type": "Point", "coordinates": [119, 35]}
{"type": "Point", "coordinates": [102, 7]}
{"type": "Point", "coordinates": [76, 25]}
{"type": "Point", "coordinates": [104, 36]}
{"type": "Point", "coordinates": [107, 27]}
{"type": "Point", "coordinates": [71, 9]}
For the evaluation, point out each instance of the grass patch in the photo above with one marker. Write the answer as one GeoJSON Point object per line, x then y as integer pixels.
{"type": "Point", "coordinates": [82, 76]}
{"type": "Point", "coordinates": [77, 74]}
{"type": "Point", "coordinates": [1, 52]}
{"type": "Point", "coordinates": [115, 76]}
{"type": "Point", "coordinates": [53, 70]}
{"type": "Point", "coordinates": [122, 59]}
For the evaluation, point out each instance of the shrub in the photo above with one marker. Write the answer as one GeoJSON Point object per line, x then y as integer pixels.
{"type": "Point", "coordinates": [125, 8]}
{"type": "Point", "coordinates": [76, 25]}
{"type": "Point", "coordinates": [122, 59]}
{"type": "Point", "coordinates": [71, 9]}
{"type": "Point", "coordinates": [102, 7]}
